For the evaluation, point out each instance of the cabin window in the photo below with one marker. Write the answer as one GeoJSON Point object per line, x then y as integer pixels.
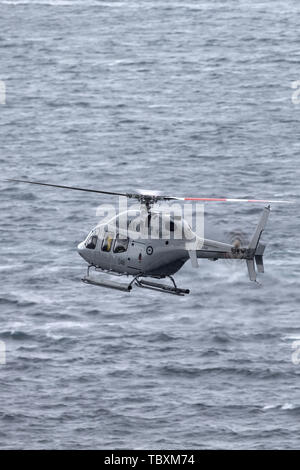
{"type": "Point", "coordinates": [107, 242]}
{"type": "Point", "coordinates": [170, 226]}
{"type": "Point", "coordinates": [92, 242]}
{"type": "Point", "coordinates": [121, 244]}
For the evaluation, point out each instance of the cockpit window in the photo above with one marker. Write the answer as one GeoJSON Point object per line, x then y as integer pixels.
{"type": "Point", "coordinates": [92, 242]}
{"type": "Point", "coordinates": [107, 241]}
{"type": "Point", "coordinates": [121, 245]}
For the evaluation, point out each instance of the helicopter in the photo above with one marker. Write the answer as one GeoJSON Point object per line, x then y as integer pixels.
{"type": "Point", "coordinates": [139, 247]}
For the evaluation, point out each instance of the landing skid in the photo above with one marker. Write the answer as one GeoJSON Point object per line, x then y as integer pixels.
{"type": "Point", "coordinates": [161, 287]}
{"type": "Point", "coordinates": [136, 281]}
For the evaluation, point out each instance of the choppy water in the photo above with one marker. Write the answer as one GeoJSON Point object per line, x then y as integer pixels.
{"type": "Point", "coordinates": [193, 98]}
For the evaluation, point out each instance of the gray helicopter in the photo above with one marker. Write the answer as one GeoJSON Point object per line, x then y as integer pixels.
{"type": "Point", "coordinates": [143, 244]}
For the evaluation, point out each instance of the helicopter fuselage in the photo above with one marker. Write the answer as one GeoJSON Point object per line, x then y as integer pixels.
{"type": "Point", "coordinates": [160, 254]}
{"type": "Point", "coordinates": [110, 249]}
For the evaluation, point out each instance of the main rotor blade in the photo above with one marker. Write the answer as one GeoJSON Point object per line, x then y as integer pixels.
{"type": "Point", "coordinates": [70, 187]}
{"type": "Point", "coordinates": [214, 199]}
{"type": "Point", "coordinates": [152, 195]}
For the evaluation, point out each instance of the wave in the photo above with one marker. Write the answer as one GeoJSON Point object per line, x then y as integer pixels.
{"type": "Point", "coordinates": [284, 407]}
{"type": "Point", "coordinates": [160, 337]}
{"type": "Point", "coordinates": [16, 302]}
{"type": "Point", "coordinates": [63, 3]}
{"type": "Point", "coordinates": [16, 335]}
{"type": "Point", "coordinates": [196, 372]}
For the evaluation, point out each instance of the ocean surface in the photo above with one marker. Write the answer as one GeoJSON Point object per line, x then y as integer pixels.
{"type": "Point", "coordinates": [193, 98]}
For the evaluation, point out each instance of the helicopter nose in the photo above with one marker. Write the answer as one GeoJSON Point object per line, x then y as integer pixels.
{"type": "Point", "coordinates": [81, 249]}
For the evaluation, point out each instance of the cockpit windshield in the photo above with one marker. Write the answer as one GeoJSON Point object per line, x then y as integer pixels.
{"type": "Point", "coordinates": [91, 241]}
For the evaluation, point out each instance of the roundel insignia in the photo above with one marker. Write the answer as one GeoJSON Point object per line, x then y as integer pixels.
{"type": "Point", "coordinates": [149, 250]}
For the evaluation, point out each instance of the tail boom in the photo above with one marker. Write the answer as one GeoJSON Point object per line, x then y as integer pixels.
{"type": "Point", "coordinates": [253, 254]}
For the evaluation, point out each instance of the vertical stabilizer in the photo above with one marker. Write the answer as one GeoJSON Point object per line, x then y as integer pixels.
{"type": "Point", "coordinates": [255, 248]}
{"type": "Point", "coordinates": [259, 229]}
{"type": "Point", "coordinates": [251, 269]}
